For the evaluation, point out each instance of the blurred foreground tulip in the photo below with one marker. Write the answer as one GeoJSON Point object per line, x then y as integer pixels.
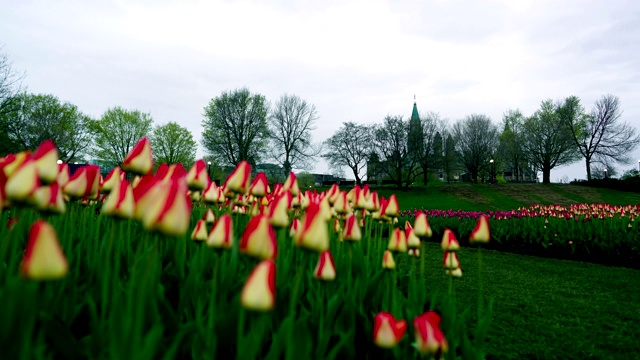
{"type": "Point", "coordinates": [112, 179]}
{"type": "Point", "coordinates": [387, 331]}
{"type": "Point", "coordinates": [259, 239]}
{"type": "Point", "coordinates": [449, 241]}
{"type": "Point", "coordinates": [46, 159]}
{"type": "Point", "coordinates": [259, 291]}
{"type": "Point", "coordinates": [291, 185]}
{"type": "Point", "coordinates": [23, 182]}
{"type": "Point", "coordinates": [429, 337]}
{"type": "Point", "coordinates": [49, 199]}
{"type": "Point", "coordinates": [326, 268]}
{"type": "Point", "coordinates": [169, 212]}
{"type": "Point", "coordinates": [43, 258]}
{"type": "Point", "coordinates": [260, 186]}
{"type": "Point", "coordinates": [313, 234]}
{"type": "Point", "coordinates": [352, 230]}
{"type": "Point", "coordinates": [480, 233]}
{"type": "Point", "coordinates": [198, 177]}
{"type": "Point", "coordinates": [221, 236]}
{"type": "Point", "coordinates": [421, 226]}
{"type": "Point", "coordinates": [239, 180]}
{"type": "Point", "coordinates": [84, 183]}
{"type": "Point", "coordinates": [387, 260]}
{"type": "Point", "coordinates": [119, 203]}
{"type": "Point", "coordinates": [140, 159]}
{"type": "Point", "coordinates": [200, 232]}
{"type": "Point", "coordinates": [397, 241]}
{"type": "Point", "coordinates": [450, 261]}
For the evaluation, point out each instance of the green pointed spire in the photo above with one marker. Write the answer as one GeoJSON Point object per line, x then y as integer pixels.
{"type": "Point", "coordinates": [414, 113]}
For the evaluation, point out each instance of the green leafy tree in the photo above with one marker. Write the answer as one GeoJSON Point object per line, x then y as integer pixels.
{"type": "Point", "coordinates": [34, 118]}
{"type": "Point", "coordinates": [235, 127]}
{"type": "Point", "coordinates": [290, 124]}
{"type": "Point", "coordinates": [476, 140]}
{"type": "Point", "coordinates": [305, 180]}
{"type": "Point", "coordinates": [600, 136]}
{"type": "Point", "coordinates": [173, 144]}
{"type": "Point", "coordinates": [548, 141]}
{"type": "Point", "coordinates": [117, 132]}
{"type": "Point", "coordinates": [350, 147]}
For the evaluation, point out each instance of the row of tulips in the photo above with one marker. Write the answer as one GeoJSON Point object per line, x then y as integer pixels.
{"type": "Point", "coordinates": [159, 270]}
{"type": "Point", "coordinates": [593, 232]}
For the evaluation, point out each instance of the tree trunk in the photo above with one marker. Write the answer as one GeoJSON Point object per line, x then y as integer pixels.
{"type": "Point", "coordinates": [474, 176]}
{"type": "Point", "coordinates": [425, 175]}
{"type": "Point", "coordinates": [546, 175]}
{"type": "Point", "coordinates": [588, 161]}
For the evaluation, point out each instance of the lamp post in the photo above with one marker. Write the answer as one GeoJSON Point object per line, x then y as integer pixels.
{"type": "Point", "coordinates": [59, 162]}
{"type": "Point", "coordinates": [638, 165]}
{"type": "Point", "coordinates": [605, 173]}
{"type": "Point", "coordinates": [209, 169]}
{"type": "Point", "coordinates": [493, 171]}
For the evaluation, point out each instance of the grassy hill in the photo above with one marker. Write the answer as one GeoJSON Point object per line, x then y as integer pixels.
{"type": "Point", "coordinates": [482, 197]}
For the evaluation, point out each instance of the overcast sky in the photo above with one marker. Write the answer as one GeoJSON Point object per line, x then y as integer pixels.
{"type": "Point", "coordinates": [355, 60]}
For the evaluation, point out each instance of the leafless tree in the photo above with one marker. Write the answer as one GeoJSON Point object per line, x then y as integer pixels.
{"type": "Point", "coordinates": [290, 124]}
{"type": "Point", "coordinates": [350, 147]}
{"type": "Point", "coordinates": [433, 126]}
{"type": "Point", "coordinates": [476, 140]}
{"type": "Point", "coordinates": [392, 144]}
{"type": "Point", "coordinates": [10, 82]}
{"type": "Point", "coordinates": [600, 137]}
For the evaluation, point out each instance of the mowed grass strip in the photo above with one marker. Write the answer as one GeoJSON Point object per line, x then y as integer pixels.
{"type": "Point", "coordinates": [546, 308]}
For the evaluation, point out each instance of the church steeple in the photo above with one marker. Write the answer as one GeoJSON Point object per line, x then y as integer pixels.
{"type": "Point", "coordinates": [414, 113]}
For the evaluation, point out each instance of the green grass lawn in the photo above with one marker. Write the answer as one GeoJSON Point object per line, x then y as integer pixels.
{"type": "Point", "coordinates": [483, 197]}
{"type": "Point", "coordinates": [549, 309]}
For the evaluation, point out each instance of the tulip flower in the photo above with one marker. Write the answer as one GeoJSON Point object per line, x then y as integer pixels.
{"type": "Point", "coordinates": [457, 272]}
{"type": "Point", "coordinates": [392, 209]}
{"type": "Point", "coordinates": [140, 159]}
{"type": "Point", "coordinates": [259, 239]}
{"type": "Point", "coordinates": [421, 226]}
{"type": "Point", "coordinates": [239, 180]}
{"type": "Point", "coordinates": [46, 159]}
{"type": "Point", "coordinates": [341, 204]}
{"type": "Point", "coordinates": [23, 182]}
{"type": "Point", "coordinates": [326, 268]}
{"type": "Point", "coordinates": [170, 172]}
{"type": "Point", "coordinates": [429, 337]}
{"type": "Point", "coordinates": [332, 193]}
{"type": "Point", "coordinates": [12, 162]}
{"type": "Point", "coordinates": [49, 199]}
{"type": "Point", "coordinates": [198, 177]}
{"type": "Point", "coordinates": [199, 232]}
{"type": "Point", "coordinates": [413, 242]}
{"type": "Point", "coordinates": [291, 185]}
{"type": "Point", "coordinates": [43, 258]}
{"type": "Point", "coordinates": [313, 234]}
{"type": "Point", "coordinates": [387, 260]}
{"type": "Point", "coordinates": [112, 179]}
{"type": "Point", "coordinates": [144, 193]}
{"type": "Point", "coordinates": [351, 229]}
{"type": "Point", "coordinates": [260, 185]}
{"type": "Point", "coordinates": [414, 252]}
{"type": "Point", "coordinates": [279, 210]}
{"type": "Point", "coordinates": [170, 212]}
{"type": "Point", "coordinates": [293, 228]}
{"type": "Point", "coordinates": [450, 261]}
{"type": "Point", "coordinates": [209, 217]}
{"type": "Point", "coordinates": [480, 233]}
{"type": "Point", "coordinates": [397, 241]}
{"type": "Point", "coordinates": [387, 331]}
{"type": "Point", "coordinates": [449, 241]}
{"type": "Point", "coordinates": [119, 203]}
{"type": "Point", "coordinates": [221, 236]}
{"type": "Point", "coordinates": [84, 183]}
{"type": "Point", "coordinates": [259, 291]}
{"type": "Point", "coordinates": [63, 174]}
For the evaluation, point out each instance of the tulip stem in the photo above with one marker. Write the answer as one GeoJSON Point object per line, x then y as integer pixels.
{"type": "Point", "coordinates": [240, 347]}
{"type": "Point", "coordinates": [479, 282]}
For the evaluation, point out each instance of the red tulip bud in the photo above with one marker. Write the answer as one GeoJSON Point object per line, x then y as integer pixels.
{"type": "Point", "coordinates": [198, 177]}
{"type": "Point", "coordinates": [84, 183]}
{"type": "Point", "coordinates": [259, 239]}
{"type": "Point", "coordinates": [221, 236]}
{"type": "Point", "coordinates": [352, 229]}
{"type": "Point", "coordinates": [140, 159]}
{"type": "Point", "coordinates": [429, 337]}
{"type": "Point", "coordinates": [449, 241]}
{"type": "Point", "coordinates": [46, 158]}
{"type": "Point", "coordinates": [480, 233]}
{"type": "Point", "coordinates": [199, 232]}
{"type": "Point", "coordinates": [387, 331]}
{"type": "Point", "coordinates": [326, 268]}
{"type": "Point", "coordinates": [119, 203]}
{"type": "Point", "coordinates": [239, 180]}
